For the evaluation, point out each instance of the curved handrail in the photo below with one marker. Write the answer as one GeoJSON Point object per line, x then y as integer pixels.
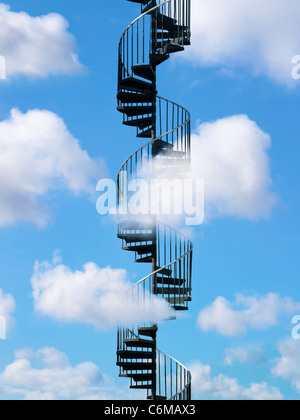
{"type": "Point", "coordinates": [161, 136]}
{"type": "Point", "coordinates": [148, 12]}
{"type": "Point", "coordinates": [162, 268]}
{"type": "Point", "coordinates": [188, 376]}
{"type": "Point", "coordinates": [142, 15]}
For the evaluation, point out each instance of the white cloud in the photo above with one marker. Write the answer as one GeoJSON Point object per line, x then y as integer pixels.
{"type": "Point", "coordinates": [254, 312]}
{"type": "Point", "coordinates": [48, 375]}
{"type": "Point", "coordinates": [38, 155]}
{"type": "Point", "coordinates": [94, 295]}
{"type": "Point", "coordinates": [226, 388]}
{"type": "Point", "coordinates": [36, 46]}
{"type": "Point", "coordinates": [251, 355]}
{"type": "Point", "coordinates": [230, 154]}
{"type": "Point", "coordinates": [7, 307]}
{"type": "Point", "coordinates": [288, 365]}
{"type": "Point", "coordinates": [230, 159]}
{"type": "Point", "coordinates": [260, 35]}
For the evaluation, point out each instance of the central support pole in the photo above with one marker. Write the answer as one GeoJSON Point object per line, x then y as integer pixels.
{"type": "Point", "coordinates": [154, 250]}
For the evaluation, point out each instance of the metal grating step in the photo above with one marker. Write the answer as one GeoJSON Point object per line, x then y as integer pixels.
{"type": "Point", "coordinates": [139, 343]}
{"type": "Point", "coordinates": [137, 237]}
{"type": "Point", "coordinates": [170, 281]}
{"type": "Point", "coordinates": [133, 366]}
{"type": "Point", "coordinates": [145, 71]}
{"type": "Point", "coordinates": [140, 249]}
{"type": "Point", "coordinates": [136, 355]}
{"type": "Point", "coordinates": [148, 386]}
{"type": "Point", "coordinates": [131, 83]}
{"type": "Point", "coordinates": [148, 331]}
{"type": "Point", "coordinates": [135, 98]}
{"type": "Point", "coordinates": [171, 291]}
{"type": "Point", "coordinates": [140, 122]}
{"type": "Point", "coordinates": [134, 111]}
{"type": "Point", "coordinates": [146, 260]}
{"type": "Point", "coordinates": [158, 58]}
{"type": "Point", "coordinates": [178, 300]}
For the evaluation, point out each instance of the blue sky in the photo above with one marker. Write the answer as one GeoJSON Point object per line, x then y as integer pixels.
{"type": "Point", "coordinates": [244, 106]}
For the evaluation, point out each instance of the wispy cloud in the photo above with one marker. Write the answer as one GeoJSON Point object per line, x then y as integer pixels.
{"type": "Point", "coordinates": [227, 388]}
{"type": "Point", "coordinates": [287, 366]}
{"type": "Point", "coordinates": [47, 374]}
{"type": "Point", "coordinates": [250, 355]}
{"type": "Point", "coordinates": [246, 312]}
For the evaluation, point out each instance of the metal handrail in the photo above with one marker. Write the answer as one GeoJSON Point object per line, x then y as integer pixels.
{"type": "Point", "coordinates": [131, 25]}
{"type": "Point", "coordinates": [162, 268]}
{"type": "Point", "coordinates": [188, 373]}
{"type": "Point", "coordinates": [161, 136]}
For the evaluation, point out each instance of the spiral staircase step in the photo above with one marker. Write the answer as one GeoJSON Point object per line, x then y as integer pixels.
{"type": "Point", "coordinates": [137, 85]}
{"type": "Point", "coordinates": [170, 48]}
{"type": "Point", "coordinates": [136, 355]}
{"type": "Point", "coordinates": [138, 377]}
{"type": "Point", "coordinates": [144, 386]}
{"type": "Point", "coordinates": [158, 58]}
{"type": "Point", "coordinates": [134, 111]}
{"type": "Point", "coordinates": [180, 308]}
{"type": "Point", "coordinates": [140, 122]}
{"type": "Point", "coordinates": [146, 134]}
{"type": "Point", "coordinates": [139, 1]}
{"type": "Point", "coordinates": [145, 260]}
{"type": "Point", "coordinates": [164, 271]}
{"type": "Point", "coordinates": [139, 343]}
{"type": "Point", "coordinates": [139, 249]}
{"type": "Point", "coordinates": [134, 366]}
{"type": "Point", "coordinates": [157, 398]}
{"type": "Point", "coordinates": [137, 237]}
{"type": "Point", "coordinates": [179, 300]}
{"type": "Point", "coordinates": [170, 153]}
{"type": "Point", "coordinates": [140, 223]}
{"type": "Point", "coordinates": [163, 145]}
{"type": "Point", "coordinates": [148, 331]}
{"type": "Point", "coordinates": [170, 281]}
{"type": "Point", "coordinates": [170, 291]}
{"type": "Point", "coordinates": [149, 6]}
{"type": "Point", "coordinates": [135, 98]}
{"type": "Point", "coordinates": [145, 71]}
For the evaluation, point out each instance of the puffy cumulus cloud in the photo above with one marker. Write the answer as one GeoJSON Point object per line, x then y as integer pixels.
{"type": "Point", "coordinates": [94, 295]}
{"type": "Point", "coordinates": [226, 388]}
{"type": "Point", "coordinates": [37, 46]}
{"type": "Point", "coordinates": [251, 355]}
{"type": "Point", "coordinates": [230, 177]}
{"type": "Point", "coordinates": [261, 35]}
{"type": "Point", "coordinates": [247, 312]}
{"type": "Point", "coordinates": [38, 155]}
{"type": "Point", "coordinates": [287, 366]}
{"type": "Point", "coordinates": [231, 156]}
{"type": "Point", "coordinates": [7, 307]}
{"type": "Point", "coordinates": [47, 374]}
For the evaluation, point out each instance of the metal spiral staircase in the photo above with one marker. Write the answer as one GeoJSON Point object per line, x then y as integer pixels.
{"type": "Point", "coordinates": [162, 28]}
